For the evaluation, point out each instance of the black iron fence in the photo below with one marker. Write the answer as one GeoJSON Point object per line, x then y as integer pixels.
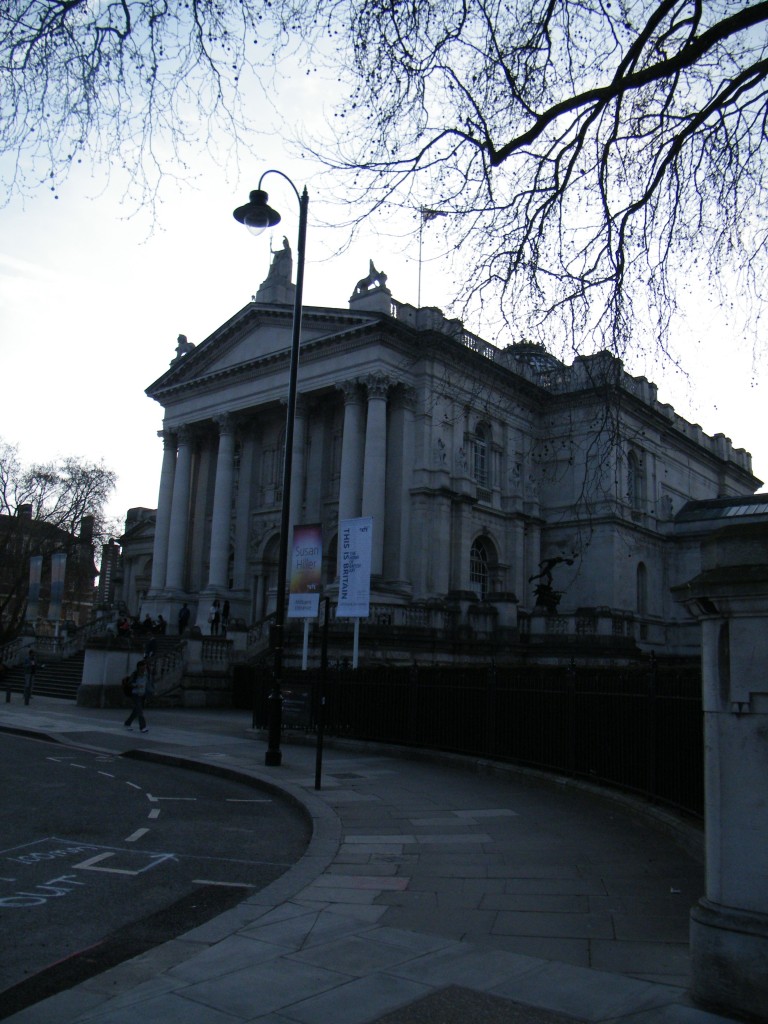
{"type": "Point", "coordinates": [638, 727]}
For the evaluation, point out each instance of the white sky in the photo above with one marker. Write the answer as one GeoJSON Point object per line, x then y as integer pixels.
{"type": "Point", "coordinates": [92, 301]}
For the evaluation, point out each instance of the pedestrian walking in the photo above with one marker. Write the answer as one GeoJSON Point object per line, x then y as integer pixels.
{"type": "Point", "coordinates": [150, 652]}
{"type": "Point", "coordinates": [138, 695]}
{"type": "Point", "coordinates": [30, 667]}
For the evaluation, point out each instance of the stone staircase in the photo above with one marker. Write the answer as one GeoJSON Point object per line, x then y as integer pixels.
{"type": "Point", "coordinates": [60, 678]}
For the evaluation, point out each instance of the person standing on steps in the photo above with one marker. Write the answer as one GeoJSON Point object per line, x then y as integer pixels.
{"type": "Point", "coordinates": [30, 667]}
{"type": "Point", "coordinates": [214, 617]}
{"type": "Point", "coordinates": [138, 694]}
{"type": "Point", "coordinates": [184, 615]}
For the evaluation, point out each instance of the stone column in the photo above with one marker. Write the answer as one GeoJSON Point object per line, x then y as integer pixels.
{"type": "Point", "coordinates": [729, 925]}
{"type": "Point", "coordinates": [350, 484]}
{"type": "Point", "coordinates": [179, 525]}
{"type": "Point", "coordinates": [222, 507]}
{"type": "Point", "coordinates": [437, 541]}
{"type": "Point", "coordinates": [298, 463]}
{"type": "Point", "coordinates": [461, 533]}
{"type": "Point", "coordinates": [243, 512]}
{"type": "Point", "coordinates": [518, 581]}
{"type": "Point", "coordinates": [317, 441]}
{"type": "Point", "coordinates": [163, 518]}
{"type": "Point", "coordinates": [375, 466]}
{"type": "Point", "coordinates": [397, 563]}
{"type": "Point", "coordinates": [420, 572]}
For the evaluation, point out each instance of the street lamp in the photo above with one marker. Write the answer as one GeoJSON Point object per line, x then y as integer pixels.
{"type": "Point", "coordinates": [257, 215]}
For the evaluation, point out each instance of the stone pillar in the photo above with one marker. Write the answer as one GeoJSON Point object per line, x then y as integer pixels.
{"type": "Point", "coordinates": [222, 507]}
{"type": "Point", "coordinates": [462, 528]}
{"type": "Point", "coordinates": [516, 535]}
{"type": "Point", "coordinates": [317, 443]}
{"type": "Point", "coordinates": [298, 463]}
{"type": "Point", "coordinates": [375, 466]}
{"type": "Point", "coordinates": [437, 542]}
{"type": "Point", "coordinates": [397, 562]}
{"type": "Point", "coordinates": [243, 513]}
{"type": "Point", "coordinates": [729, 925]}
{"type": "Point", "coordinates": [163, 518]}
{"type": "Point", "coordinates": [202, 488]}
{"type": "Point", "coordinates": [350, 484]}
{"type": "Point", "coordinates": [179, 525]}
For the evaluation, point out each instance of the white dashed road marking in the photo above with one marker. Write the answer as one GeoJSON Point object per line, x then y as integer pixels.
{"type": "Point", "coordinates": [228, 885]}
{"type": "Point", "coordinates": [136, 835]}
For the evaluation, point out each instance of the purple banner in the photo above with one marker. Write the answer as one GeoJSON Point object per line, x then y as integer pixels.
{"type": "Point", "coordinates": [306, 571]}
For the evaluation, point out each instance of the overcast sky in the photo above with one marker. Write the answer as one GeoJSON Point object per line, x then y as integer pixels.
{"type": "Point", "coordinates": [93, 297]}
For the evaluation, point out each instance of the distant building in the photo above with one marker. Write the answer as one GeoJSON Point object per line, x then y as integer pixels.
{"type": "Point", "coordinates": [134, 570]}
{"type": "Point", "coordinates": [45, 573]}
{"type": "Point", "coordinates": [108, 574]}
{"type": "Point", "coordinates": [514, 498]}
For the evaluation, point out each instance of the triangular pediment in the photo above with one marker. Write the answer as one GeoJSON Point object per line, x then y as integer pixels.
{"type": "Point", "coordinates": [256, 336]}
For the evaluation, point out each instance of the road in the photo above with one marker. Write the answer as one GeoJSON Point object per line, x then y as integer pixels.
{"type": "Point", "coordinates": [102, 857]}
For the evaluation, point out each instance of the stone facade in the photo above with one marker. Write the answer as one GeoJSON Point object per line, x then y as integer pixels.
{"type": "Point", "coordinates": [506, 488]}
{"type": "Point", "coordinates": [729, 596]}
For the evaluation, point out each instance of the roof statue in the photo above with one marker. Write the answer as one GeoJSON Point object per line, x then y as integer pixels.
{"type": "Point", "coordinates": [371, 292]}
{"type": "Point", "coordinates": [375, 279]}
{"type": "Point", "coordinates": [282, 263]}
{"type": "Point", "coordinates": [277, 288]}
{"type": "Point", "coordinates": [183, 348]}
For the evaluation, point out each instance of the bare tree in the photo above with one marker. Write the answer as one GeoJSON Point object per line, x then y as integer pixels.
{"type": "Point", "coordinates": [590, 157]}
{"type": "Point", "coordinates": [43, 509]}
{"type": "Point", "coordinates": [595, 156]}
{"type": "Point", "coordinates": [142, 85]}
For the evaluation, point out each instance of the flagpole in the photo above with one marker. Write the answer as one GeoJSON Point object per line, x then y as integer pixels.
{"type": "Point", "coordinates": [421, 235]}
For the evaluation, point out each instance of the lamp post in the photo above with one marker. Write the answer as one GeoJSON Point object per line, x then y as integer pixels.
{"type": "Point", "coordinates": [256, 215]}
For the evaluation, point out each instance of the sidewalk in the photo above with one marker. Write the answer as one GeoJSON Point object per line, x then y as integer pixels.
{"type": "Point", "coordinates": [429, 894]}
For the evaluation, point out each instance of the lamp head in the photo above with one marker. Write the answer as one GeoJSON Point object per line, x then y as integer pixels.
{"type": "Point", "coordinates": [257, 215]}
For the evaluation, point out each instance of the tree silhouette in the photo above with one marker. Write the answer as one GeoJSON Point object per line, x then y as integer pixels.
{"type": "Point", "coordinates": [595, 157]}
{"type": "Point", "coordinates": [588, 158]}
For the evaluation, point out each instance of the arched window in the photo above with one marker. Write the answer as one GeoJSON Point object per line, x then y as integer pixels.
{"type": "Point", "coordinates": [265, 582]}
{"type": "Point", "coordinates": [482, 560]}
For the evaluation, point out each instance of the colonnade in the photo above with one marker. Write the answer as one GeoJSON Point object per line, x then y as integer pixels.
{"type": "Point", "coordinates": [377, 415]}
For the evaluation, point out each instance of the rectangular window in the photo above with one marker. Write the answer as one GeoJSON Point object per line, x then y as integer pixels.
{"type": "Point", "coordinates": [480, 462]}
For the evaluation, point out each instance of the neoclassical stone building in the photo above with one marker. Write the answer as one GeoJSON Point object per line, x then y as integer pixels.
{"type": "Point", "coordinates": [512, 496]}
